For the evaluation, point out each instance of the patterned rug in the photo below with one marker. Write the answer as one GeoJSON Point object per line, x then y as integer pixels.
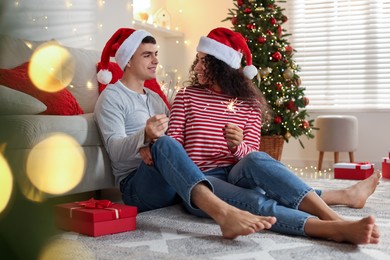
{"type": "Point", "coordinates": [171, 233]}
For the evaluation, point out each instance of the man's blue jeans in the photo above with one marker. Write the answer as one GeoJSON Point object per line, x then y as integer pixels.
{"type": "Point", "coordinates": [258, 184]}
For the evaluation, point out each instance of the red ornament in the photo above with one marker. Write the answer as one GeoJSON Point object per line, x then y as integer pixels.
{"type": "Point", "coordinates": [234, 20]}
{"type": "Point", "coordinates": [261, 40]}
{"type": "Point", "coordinates": [305, 124]}
{"type": "Point", "coordinates": [269, 32]}
{"type": "Point", "coordinates": [251, 26]}
{"type": "Point", "coordinates": [288, 49]}
{"type": "Point", "coordinates": [280, 31]}
{"type": "Point", "coordinates": [306, 101]}
{"type": "Point", "coordinates": [271, 6]}
{"type": "Point", "coordinates": [240, 2]}
{"type": "Point", "coordinates": [272, 21]}
{"type": "Point", "coordinates": [277, 120]}
{"type": "Point", "coordinates": [276, 56]}
{"type": "Point", "coordinates": [278, 86]}
{"type": "Point", "coordinates": [284, 19]}
{"type": "Point", "coordinates": [247, 10]}
{"type": "Point", "coordinates": [290, 105]}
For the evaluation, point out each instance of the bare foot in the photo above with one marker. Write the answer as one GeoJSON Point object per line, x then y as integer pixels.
{"type": "Point", "coordinates": [357, 194]}
{"type": "Point", "coordinates": [236, 223]}
{"type": "Point", "coordinates": [356, 232]}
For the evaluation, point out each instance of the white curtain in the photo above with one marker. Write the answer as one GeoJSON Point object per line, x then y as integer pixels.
{"type": "Point", "coordinates": [343, 50]}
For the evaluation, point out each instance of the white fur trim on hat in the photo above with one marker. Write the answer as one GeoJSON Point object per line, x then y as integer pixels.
{"type": "Point", "coordinates": [220, 51]}
{"type": "Point", "coordinates": [129, 46]}
{"type": "Point", "coordinates": [250, 71]}
{"type": "Point", "coordinates": [104, 76]}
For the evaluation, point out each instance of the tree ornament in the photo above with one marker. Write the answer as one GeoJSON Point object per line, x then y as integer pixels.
{"type": "Point", "coordinates": [247, 10]}
{"type": "Point", "coordinates": [288, 49]}
{"type": "Point", "coordinates": [306, 101]}
{"type": "Point", "coordinates": [261, 40]}
{"type": "Point", "coordinates": [277, 120]}
{"type": "Point", "coordinates": [290, 105]}
{"type": "Point", "coordinates": [305, 124]}
{"type": "Point", "coordinates": [280, 31]}
{"type": "Point", "coordinates": [288, 74]}
{"type": "Point", "coordinates": [259, 9]}
{"type": "Point", "coordinates": [276, 56]}
{"type": "Point", "coordinates": [278, 86]}
{"type": "Point", "coordinates": [287, 135]}
{"type": "Point", "coordinates": [240, 2]}
{"type": "Point", "coordinates": [297, 81]}
{"type": "Point", "coordinates": [251, 1]}
{"type": "Point", "coordinates": [279, 102]}
{"type": "Point", "coordinates": [251, 26]}
{"type": "Point", "coordinates": [265, 71]}
{"type": "Point", "coordinates": [284, 18]}
{"type": "Point", "coordinates": [234, 20]}
{"type": "Point", "coordinates": [272, 20]}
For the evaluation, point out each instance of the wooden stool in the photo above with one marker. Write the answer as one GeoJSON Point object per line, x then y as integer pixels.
{"type": "Point", "coordinates": [336, 133]}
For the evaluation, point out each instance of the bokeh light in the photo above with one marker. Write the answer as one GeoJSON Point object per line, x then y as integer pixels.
{"type": "Point", "coordinates": [51, 67]}
{"type": "Point", "coordinates": [6, 181]}
{"type": "Point", "coordinates": [65, 249]}
{"type": "Point", "coordinates": [56, 164]}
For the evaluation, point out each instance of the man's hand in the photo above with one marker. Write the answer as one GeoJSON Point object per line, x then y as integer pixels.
{"type": "Point", "coordinates": [233, 135]}
{"type": "Point", "coordinates": [146, 155]}
{"type": "Point", "coordinates": [156, 126]}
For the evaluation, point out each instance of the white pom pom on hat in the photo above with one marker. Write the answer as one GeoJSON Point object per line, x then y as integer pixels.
{"type": "Point", "coordinates": [122, 45]}
{"type": "Point", "coordinates": [229, 47]}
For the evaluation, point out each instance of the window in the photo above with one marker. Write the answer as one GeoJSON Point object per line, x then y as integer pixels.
{"type": "Point", "coordinates": [343, 50]}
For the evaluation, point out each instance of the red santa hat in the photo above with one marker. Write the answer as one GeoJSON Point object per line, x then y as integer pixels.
{"type": "Point", "coordinates": [229, 47]}
{"type": "Point", "coordinates": [122, 45]}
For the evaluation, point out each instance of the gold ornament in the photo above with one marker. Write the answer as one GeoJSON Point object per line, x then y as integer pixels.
{"type": "Point", "coordinates": [252, 1]}
{"type": "Point", "coordinates": [279, 102]}
{"type": "Point", "coordinates": [287, 135]}
{"type": "Point", "coordinates": [265, 71]}
{"type": "Point", "coordinates": [259, 9]}
{"type": "Point", "coordinates": [288, 74]}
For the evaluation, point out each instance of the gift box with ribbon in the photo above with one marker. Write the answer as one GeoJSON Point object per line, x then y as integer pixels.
{"type": "Point", "coordinates": [386, 167]}
{"type": "Point", "coordinates": [353, 171]}
{"type": "Point", "coordinates": [95, 217]}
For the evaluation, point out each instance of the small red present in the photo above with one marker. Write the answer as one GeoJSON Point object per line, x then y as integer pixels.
{"type": "Point", "coordinates": [95, 217]}
{"type": "Point", "coordinates": [353, 171]}
{"type": "Point", "coordinates": [386, 167]}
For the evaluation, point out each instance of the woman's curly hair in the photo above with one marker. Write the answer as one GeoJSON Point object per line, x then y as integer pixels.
{"type": "Point", "coordinates": [233, 82]}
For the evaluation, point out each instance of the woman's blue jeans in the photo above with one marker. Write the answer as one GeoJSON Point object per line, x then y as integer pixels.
{"type": "Point", "coordinates": [257, 183]}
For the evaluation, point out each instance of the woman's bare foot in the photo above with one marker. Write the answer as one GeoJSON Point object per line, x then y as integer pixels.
{"type": "Point", "coordinates": [235, 222]}
{"type": "Point", "coordinates": [363, 231]}
{"type": "Point", "coordinates": [356, 232]}
{"type": "Point", "coordinates": [357, 194]}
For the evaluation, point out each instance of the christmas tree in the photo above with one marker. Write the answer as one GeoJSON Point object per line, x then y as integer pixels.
{"type": "Point", "coordinates": [261, 23]}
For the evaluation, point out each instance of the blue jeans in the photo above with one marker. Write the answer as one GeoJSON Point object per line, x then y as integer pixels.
{"type": "Point", "coordinates": [257, 183]}
{"type": "Point", "coordinates": [263, 186]}
{"type": "Point", "coordinates": [168, 181]}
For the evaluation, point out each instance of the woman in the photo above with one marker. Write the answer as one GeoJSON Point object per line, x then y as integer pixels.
{"type": "Point", "coordinates": [218, 118]}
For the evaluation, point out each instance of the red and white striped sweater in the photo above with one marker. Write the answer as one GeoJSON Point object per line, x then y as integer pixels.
{"type": "Point", "coordinates": [197, 119]}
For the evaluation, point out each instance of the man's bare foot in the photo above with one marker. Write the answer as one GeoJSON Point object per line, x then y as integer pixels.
{"type": "Point", "coordinates": [357, 194]}
{"type": "Point", "coordinates": [235, 222]}
{"type": "Point", "coordinates": [356, 232]}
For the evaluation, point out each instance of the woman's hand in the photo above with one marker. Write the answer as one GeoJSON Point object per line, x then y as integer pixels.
{"type": "Point", "coordinates": [146, 155]}
{"type": "Point", "coordinates": [233, 135]}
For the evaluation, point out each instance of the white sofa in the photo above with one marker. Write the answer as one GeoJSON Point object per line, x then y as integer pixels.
{"type": "Point", "coordinates": [21, 130]}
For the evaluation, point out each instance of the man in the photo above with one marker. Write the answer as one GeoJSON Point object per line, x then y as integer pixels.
{"type": "Point", "coordinates": [153, 170]}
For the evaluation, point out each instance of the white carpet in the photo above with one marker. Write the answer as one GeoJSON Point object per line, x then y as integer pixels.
{"type": "Point", "coordinates": [171, 233]}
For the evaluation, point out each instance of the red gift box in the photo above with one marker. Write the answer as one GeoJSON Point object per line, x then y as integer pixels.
{"type": "Point", "coordinates": [386, 167]}
{"type": "Point", "coordinates": [353, 171]}
{"type": "Point", "coordinates": [95, 217]}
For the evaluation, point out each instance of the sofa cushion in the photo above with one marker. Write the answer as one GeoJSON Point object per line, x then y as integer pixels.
{"type": "Point", "coordinates": [14, 52]}
{"type": "Point", "coordinates": [24, 131]}
{"type": "Point", "coordinates": [84, 85]}
{"type": "Point", "coordinates": [13, 102]}
{"type": "Point", "coordinates": [58, 103]}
